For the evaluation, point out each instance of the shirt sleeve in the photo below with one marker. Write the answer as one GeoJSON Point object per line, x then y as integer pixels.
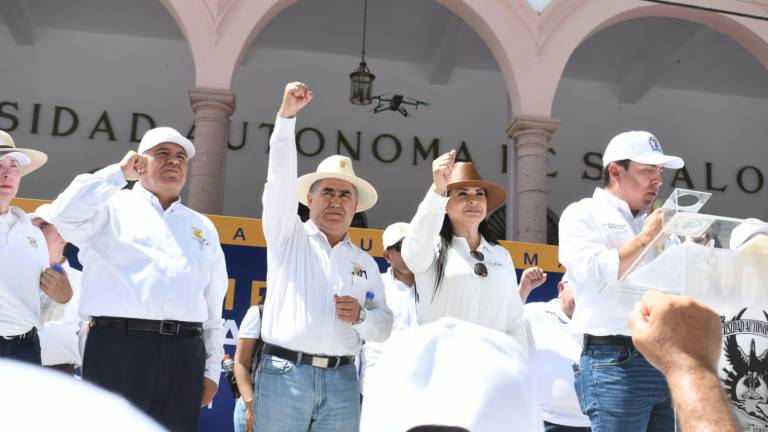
{"type": "Point", "coordinates": [583, 251]}
{"type": "Point", "coordinates": [377, 325]}
{"type": "Point", "coordinates": [419, 245]}
{"type": "Point", "coordinates": [213, 327]}
{"type": "Point", "coordinates": [81, 210]}
{"type": "Point", "coordinates": [250, 327]}
{"type": "Point", "coordinates": [279, 202]}
{"type": "Point", "coordinates": [516, 326]}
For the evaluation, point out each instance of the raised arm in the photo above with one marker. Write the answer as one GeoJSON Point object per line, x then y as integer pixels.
{"type": "Point", "coordinates": [81, 210]}
{"type": "Point", "coordinates": [279, 201]}
{"type": "Point", "coordinates": [419, 245]}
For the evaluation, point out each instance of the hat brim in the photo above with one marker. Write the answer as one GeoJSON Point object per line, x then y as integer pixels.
{"type": "Point", "coordinates": [495, 195]}
{"type": "Point", "coordinates": [366, 193]}
{"type": "Point", "coordinates": [186, 144]}
{"type": "Point", "coordinates": [746, 231]}
{"type": "Point", "coordinates": [36, 157]}
{"type": "Point", "coordinates": [654, 158]}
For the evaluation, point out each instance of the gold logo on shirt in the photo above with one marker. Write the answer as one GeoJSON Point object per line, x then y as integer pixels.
{"type": "Point", "coordinates": [357, 270]}
{"type": "Point", "coordinates": [32, 242]}
{"type": "Point", "coordinates": [197, 234]}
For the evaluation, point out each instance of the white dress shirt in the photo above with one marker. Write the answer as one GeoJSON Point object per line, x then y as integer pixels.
{"type": "Point", "coordinates": [401, 299]}
{"type": "Point", "coordinates": [140, 261]}
{"type": "Point", "coordinates": [60, 336]}
{"type": "Point", "coordinates": [23, 258]}
{"type": "Point", "coordinates": [304, 272]}
{"type": "Point", "coordinates": [553, 351]}
{"type": "Point", "coordinates": [591, 232]}
{"type": "Point", "coordinates": [492, 301]}
{"type": "Point", "coordinates": [250, 326]}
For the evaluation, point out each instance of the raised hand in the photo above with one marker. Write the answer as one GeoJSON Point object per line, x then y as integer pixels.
{"type": "Point", "coordinates": [296, 96]}
{"type": "Point", "coordinates": [133, 165]}
{"type": "Point", "coordinates": [442, 168]}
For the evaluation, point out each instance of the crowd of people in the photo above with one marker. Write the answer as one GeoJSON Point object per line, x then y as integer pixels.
{"type": "Point", "coordinates": [443, 340]}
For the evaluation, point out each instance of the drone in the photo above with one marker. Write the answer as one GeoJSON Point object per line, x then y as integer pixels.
{"type": "Point", "coordinates": [395, 103]}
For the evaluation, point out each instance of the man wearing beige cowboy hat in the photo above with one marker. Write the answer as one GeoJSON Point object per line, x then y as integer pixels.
{"type": "Point", "coordinates": [24, 264]}
{"type": "Point", "coordinates": [154, 280]}
{"type": "Point", "coordinates": [317, 279]}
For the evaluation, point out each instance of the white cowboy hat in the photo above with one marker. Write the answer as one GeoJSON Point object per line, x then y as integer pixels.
{"type": "Point", "coordinates": [29, 160]}
{"type": "Point", "coordinates": [340, 168]}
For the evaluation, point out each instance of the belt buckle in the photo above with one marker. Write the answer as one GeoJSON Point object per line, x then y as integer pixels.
{"type": "Point", "coordinates": [321, 362]}
{"type": "Point", "coordinates": [165, 325]}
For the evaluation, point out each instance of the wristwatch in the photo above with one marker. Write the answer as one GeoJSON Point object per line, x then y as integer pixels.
{"type": "Point", "coordinates": [360, 317]}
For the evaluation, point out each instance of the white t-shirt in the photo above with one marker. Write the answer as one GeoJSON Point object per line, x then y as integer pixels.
{"type": "Point", "coordinates": [553, 351]}
{"type": "Point", "coordinates": [250, 326]}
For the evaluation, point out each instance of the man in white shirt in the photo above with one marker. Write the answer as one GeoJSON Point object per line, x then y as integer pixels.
{"type": "Point", "coordinates": [553, 352]}
{"type": "Point", "coordinates": [314, 322]}
{"type": "Point", "coordinates": [400, 289]}
{"type": "Point", "coordinates": [61, 334]}
{"type": "Point", "coordinates": [600, 238]}
{"type": "Point", "coordinates": [26, 280]}
{"type": "Point", "coordinates": [154, 280]}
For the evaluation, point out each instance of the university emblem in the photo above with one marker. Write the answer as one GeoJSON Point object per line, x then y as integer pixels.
{"type": "Point", "coordinates": [343, 163]}
{"type": "Point", "coordinates": [654, 143]}
{"type": "Point", "coordinates": [357, 270]}
{"type": "Point", "coordinates": [197, 234]}
{"type": "Point", "coordinates": [745, 369]}
{"type": "Point", "coordinates": [32, 242]}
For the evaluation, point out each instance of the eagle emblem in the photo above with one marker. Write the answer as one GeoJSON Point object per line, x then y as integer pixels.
{"type": "Point", "coordinates": [746, 381]}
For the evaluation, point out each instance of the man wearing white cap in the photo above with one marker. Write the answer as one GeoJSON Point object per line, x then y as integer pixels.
{"type": "Point", "coordinates": [61, 335]}
{"type": "Point", "coordinates": [600, 238]}
{"type": "Point", "coordinates": [314, 321]}
{"type": "Point", "coordinates": [400, 289]}
{"type": "Point", "coordinates": [26, 281]}
{"type": "Point", "coordinates": [423, 378]}
{"type": "Point", "coordinates": [154, 280]}
{"type": "Point", "coordinates": [554, 350]}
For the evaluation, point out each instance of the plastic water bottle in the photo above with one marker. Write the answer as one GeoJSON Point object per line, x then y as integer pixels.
{"type": "Point", "coordinates": [369, 300]}
{"type": "Point", "coordinates": [229, 372]}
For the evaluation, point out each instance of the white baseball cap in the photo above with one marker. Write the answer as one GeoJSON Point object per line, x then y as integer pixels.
{"type": "Point", "coordinates": [747, 230]}
{"type": "Point", "coordinates": [451, 373]}
{"type": "Point", "coordinates": [639, 146]}
{"type": "Point", "coordinates": [394, 233]}
{"type": "Point", "coordinates": [160, 135]}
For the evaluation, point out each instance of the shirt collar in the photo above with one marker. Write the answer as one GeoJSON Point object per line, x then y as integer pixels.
{"type": "Point", "coordinates": [619, 204]}
{"type": "Point", "coordinates": [152, 198]}
{"type": "Point", "coordinates": [484, 245]}
{"type": "Point", "coordinates": [313, 230]}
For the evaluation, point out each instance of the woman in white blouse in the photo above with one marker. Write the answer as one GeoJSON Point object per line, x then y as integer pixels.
{"type": "Point", "coordinates": [461, 270]}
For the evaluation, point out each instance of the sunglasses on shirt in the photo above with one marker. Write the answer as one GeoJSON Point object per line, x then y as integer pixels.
{"type": "Point", "coordinates": [480, 268]}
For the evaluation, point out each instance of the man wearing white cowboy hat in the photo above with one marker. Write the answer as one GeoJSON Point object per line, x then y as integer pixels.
{"type": "Point", "coordinates": [154, 280]}
{"type": "Point", "coordinates": [600, 237]}
{"type": "Point", "coordinates": [24, 266]}
{"type": "Point", "coordinates": [317, 280]}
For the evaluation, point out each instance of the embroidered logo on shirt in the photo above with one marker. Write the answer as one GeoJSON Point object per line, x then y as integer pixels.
{"type": "Point", "coordinates": [32, 242]}
{"type": "Point", "coordinates": [615, 227]}
{"type": "Point", "coordinates": [197, 234]}
{"type": "Point", "coordinates": [496, 264]}
{"type": "Point", "coordinates": [357, 270]}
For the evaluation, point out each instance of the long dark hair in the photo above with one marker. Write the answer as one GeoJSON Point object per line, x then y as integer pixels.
{"type": "Point", "coordinates": [446, 237]}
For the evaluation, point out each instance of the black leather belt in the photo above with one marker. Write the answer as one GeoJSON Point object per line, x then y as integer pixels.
{"type": "Point", "coordinates": [27, 335]}
{"type": "Point", "coordinates": [168, 328]}
{"type": "Point", "coordinates": [617, 340]}
{"type": "Point", "coordinates": [308, 359]}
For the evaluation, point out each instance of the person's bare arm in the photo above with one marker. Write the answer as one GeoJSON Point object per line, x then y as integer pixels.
{"type": "Point", "coordinates": [682, 338]}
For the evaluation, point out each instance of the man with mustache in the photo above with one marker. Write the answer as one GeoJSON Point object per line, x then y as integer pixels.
{"type": "Point", "coordinates": [314, 320]}
{"type": "Point", "coordinates": [600, 238]}
{"type": "Point", "coordinates": [154, 280]}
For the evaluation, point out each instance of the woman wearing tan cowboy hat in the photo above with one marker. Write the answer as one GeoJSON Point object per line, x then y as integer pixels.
{"type": "Point", "coordinates": [461, 270]}
{"type": "Point", "coordinates": [24, 260]}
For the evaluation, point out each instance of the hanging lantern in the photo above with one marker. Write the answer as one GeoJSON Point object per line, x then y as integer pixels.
{"type": "Point", "coordinates": [361, 85]}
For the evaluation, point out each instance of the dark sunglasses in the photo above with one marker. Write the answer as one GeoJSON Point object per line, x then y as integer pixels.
{"type": "Point", "coordinates": [397, 247]}
{"type": "Point", "coordinates": [480, 268]}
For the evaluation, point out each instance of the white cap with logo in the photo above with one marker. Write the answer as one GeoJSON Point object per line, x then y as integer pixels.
{"type": "Point", "coordinates": [639, 146]}
{"type": "Point", "coordinates": [159, 135]}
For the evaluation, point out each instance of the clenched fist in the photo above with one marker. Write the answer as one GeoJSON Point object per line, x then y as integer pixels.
{"type": "Point", "coordinates": [296, 96]}
{"type": "Point", "coordinates": [133, 165]}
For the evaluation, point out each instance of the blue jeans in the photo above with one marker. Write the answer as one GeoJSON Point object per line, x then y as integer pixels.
{"type": "Point", "coordinates": [620, 391]}
{"type": "Point", "coordinates": [238, 417]}
{"type": "Point", "coordinates": [301, 398]}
